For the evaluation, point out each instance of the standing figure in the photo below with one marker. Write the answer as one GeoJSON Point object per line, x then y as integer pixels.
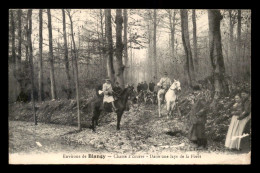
{"type": "Point", "coordinates": [232, 142]}
{"type": "Point", "coordinates": [198, 118]}
{"type": "Point", "coordinates": [145, 86]}
{"type": "Point", "coordinates": [151, 86]}
{"type": "Point", "coordinates": [138, 88]}
{"type": "Point", "coordinates": [108, 94]}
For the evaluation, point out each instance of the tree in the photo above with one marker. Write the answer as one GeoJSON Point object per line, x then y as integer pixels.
{"type": "Point", "coordinates": [119, 48]}
{"type": "Point", "coordinates": [195, 49]}
{"type": "Point", "coordinates": [19, 56]}
{"type": "Point", "coordinates": [109, 45]}
{"type": "Point", "coordinates": [31, 63]}
{"type": "Point", "coordinates": [154, 43]}
{"type": "Point", "coordinates": [75, 64]}
{"type": "Point", "coordinates": [41, 95]}
{"type": "Point", "coordinates": [231, 45]}
{"type": "Point", "coordinates": [215, 50]}
{"type": "Point", "coordinates": [186, 45]}
{"type": "Point", "coordinates": [172, 24]}
{"type": "Point", "coordinates": [172, 29]}
{"type": "Point", "coordinates": [13, 38]}
{"type": "Point", "coordinates": [150, 44]}
{"type": "Point", "coordinates": [26, 43]}
{"type": "Point", "coordinates": [125, 45]}
{"type": "Point", "coordinates": [66, 56]}
{"type": "Point", "coordinates": [18, 70]}
{"type": "Point", "coordinates": [53, 86]}
{"type": "Point", "coordinates": [238, 50]}
{"type": "Point", "coordinates": [103, 40]}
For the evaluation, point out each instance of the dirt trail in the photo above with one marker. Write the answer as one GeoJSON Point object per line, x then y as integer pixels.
{"type": "Point", "coordinates": [24, 135]}
{"type": "Point", "coordinates": [141, 131]}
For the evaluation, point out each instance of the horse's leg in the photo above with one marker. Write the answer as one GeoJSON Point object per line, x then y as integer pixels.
{"type": "Point", "coordinates": [119, 116]}
{"type": "Point", "coordinates": [172, 108]}
{"type": "Point", "coordinates": [96, 120]}
{"type": "Point", "coordinates": [168, 108]}
{"type": "Point", "coordinates": [95, 117]}
{"type": "Point", "coordinates": [93, 121]}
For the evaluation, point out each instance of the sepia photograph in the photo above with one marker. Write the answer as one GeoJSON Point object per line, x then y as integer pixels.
{"type": "Point", "coordinates": [129, 86]}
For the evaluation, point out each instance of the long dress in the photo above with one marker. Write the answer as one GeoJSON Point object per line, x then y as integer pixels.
{"type": "Point", "coordinates": [232, 142]}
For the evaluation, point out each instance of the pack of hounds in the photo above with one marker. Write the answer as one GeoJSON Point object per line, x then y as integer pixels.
{"type": "Point", "coordinates": [146, 93]}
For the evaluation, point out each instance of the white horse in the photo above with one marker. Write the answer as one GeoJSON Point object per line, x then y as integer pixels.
{"type": "Point", "coordinates": [170, 98]}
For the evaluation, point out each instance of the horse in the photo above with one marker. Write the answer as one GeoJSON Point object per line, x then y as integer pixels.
{"type": "Point", "coordinates": [170, 98]}
{"type": "Point", "coordinates": [121, 104]}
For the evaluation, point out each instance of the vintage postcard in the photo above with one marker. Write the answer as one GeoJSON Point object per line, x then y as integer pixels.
{"type": "Point", "coordinates": [129, 86]}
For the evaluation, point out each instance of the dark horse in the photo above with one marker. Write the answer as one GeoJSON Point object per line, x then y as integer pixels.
{"type": "Point", "coordinates": [120, 103]}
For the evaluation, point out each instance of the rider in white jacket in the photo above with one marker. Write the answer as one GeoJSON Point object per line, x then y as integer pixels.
{"type": "Point", "coordinates": [164, 84]}
{"type": "Point", "coordinates": [108, 91]}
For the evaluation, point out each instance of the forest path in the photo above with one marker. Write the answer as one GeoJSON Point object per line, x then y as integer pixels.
{"type": "Point", "coordinates": [142, 131]}
{"type": "Point", "coordinates": [24, 136]}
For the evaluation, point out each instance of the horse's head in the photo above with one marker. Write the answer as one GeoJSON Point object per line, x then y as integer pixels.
{"type": "Point", "coordinates": [176, 85]}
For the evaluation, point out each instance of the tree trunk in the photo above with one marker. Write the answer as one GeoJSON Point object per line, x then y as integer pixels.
{"type": "Point", "coordinates": [41, 96]}
{"type": "Point", "coordinates": [131, 60]}
{"type": "Point", "coordinates": [19, 55]}
{"type": "Point", "coordinates": [238, 52]}
{"type": "Point", "coordinates": [154, 44]}
{"type": "Point", "coordinates": [103, 43]}
{"type": "Point", "coordinates": [99, 51]}
{"type": "Point", "coordinates": [66, 55]}
{"type": "Point", "coordinates": [119, 49]}
{"type": "Point", "coordinates": [18, 60]}
{"type": "Point", "coordinates": [74, 58]}
{"type": "Point", "coordinates": [13, 40]}
{"type": "Point", "coordinates": [216, 56]}
{"type": "Point", "coordinates": [88, 65]}
{"type": "Point", "coordinates": [26, 43]}
{"type": "Point", "coordinates": [31, 63]}
{"type": "Point", "coordinates": [172, 30]}
{"type": "Point", "coordinates": [231, 45]}
{"type": "Point", "coordinates": [72, 64]}
{"type": "Point", "coordinates": [150, 55]}
{"type": "Point", "coordinates": [187, 47]}
{"type": "Point", "coordinates": [125, 46]}
{"type": "Point", "coordinates": [109, 43]}
{"type": "Point", "coordinates": [195, 50]}
{"type": "Point", "coordinates": [53, 86]}
{"type": "Point", "coordinates": [245, 62]}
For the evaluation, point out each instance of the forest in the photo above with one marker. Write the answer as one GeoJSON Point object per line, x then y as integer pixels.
{"type": "Point", "coordinates": [57, 58]}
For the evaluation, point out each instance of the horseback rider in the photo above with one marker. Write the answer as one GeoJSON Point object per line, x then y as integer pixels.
{"type": "Point", "coordinates": [108, 91]}
{"type": "Point", "coordinates": [164, 84]}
